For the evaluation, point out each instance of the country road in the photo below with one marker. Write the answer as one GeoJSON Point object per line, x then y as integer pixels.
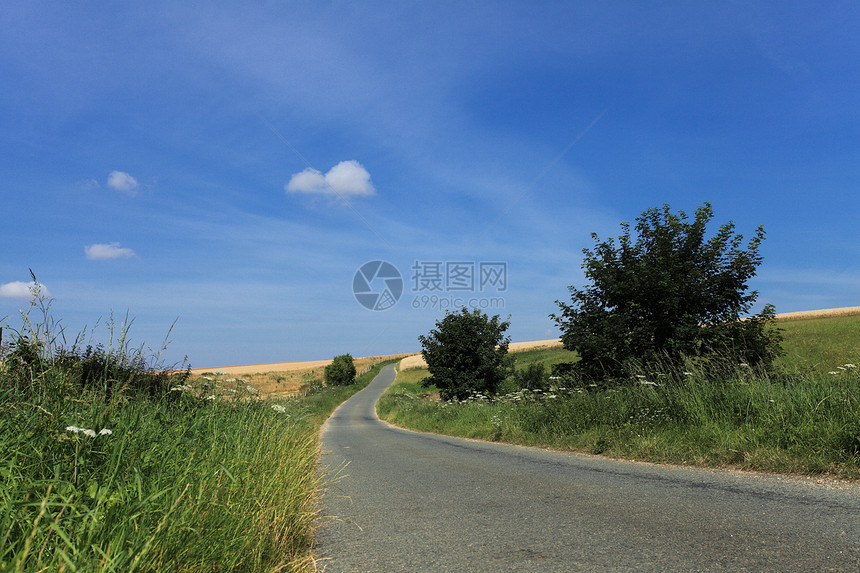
{"type": "Point", "coordinates": [408, 501]}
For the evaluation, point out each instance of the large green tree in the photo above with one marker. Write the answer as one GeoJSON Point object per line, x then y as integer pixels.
{"type": "Point", "coordinates": [669, 291]}
{"type": "Point", "coordinates": [466, 353]}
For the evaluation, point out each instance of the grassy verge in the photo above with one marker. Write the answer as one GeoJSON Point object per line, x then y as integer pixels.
{"type": "Point", "coordinates": [804, 420]}
{"type": "Point", "coordinates": [109, 465]}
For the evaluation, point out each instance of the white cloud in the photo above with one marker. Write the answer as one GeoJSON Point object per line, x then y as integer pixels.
{"type": "Point", "coordinates": [105, 251]}
{"type": "Point", "coordinates": [23, 291]}
{"type": "Point", "coordinates": [122, 181]}
{"type": "Point", "coordinates": [347, 178]}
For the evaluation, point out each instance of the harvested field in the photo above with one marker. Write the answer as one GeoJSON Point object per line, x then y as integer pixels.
{"type": "Point", "coordinates": [247, 369]}
{"type": "Point", "coordinates": [283, 379]}
{"type": "Point", "coordinates": [845, 311]}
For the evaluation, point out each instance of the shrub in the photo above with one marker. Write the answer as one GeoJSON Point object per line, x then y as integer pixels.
{"type": "Point", "coordinates": [466, 354]}
{"type": "Point", "coordinates": [341, 371]}
{"type": "Point", "coordinates": [532, 377]}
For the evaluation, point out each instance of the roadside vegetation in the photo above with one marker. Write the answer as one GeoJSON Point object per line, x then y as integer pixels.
{"type": "Point", "coordinates": [110, 462]}
{"type": "Point", "coordinates": [662, 361]}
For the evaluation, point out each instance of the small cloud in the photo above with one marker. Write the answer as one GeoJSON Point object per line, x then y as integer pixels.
{"type": "Point", "coordinates": [122, 181]}
{"type": "Point", "coordinates": [105, 251]}
{"type": "Point", "coordinates": [347, 178]}
{"type": "Point", "coordinates": [24, 291]}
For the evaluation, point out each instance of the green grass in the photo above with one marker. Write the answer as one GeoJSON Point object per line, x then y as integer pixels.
{"type": "Point", "coordinates": [545, 356]}
{"type": "Point", "coordinates": [209, 478]}
{"type": "Point", "coordinates": [819, 344]}
{"type": "Point", "coordinates": [803, 420]}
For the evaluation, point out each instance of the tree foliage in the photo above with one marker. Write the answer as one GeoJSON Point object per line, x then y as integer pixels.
{"type": "Point", "coordinates": [466, 353]}
{"type": "Point", "coordinates": [341, 371]}
{"type": "Point", "coordinates": [668, 293]}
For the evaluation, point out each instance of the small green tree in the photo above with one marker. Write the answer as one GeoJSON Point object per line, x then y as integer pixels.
{"type": "Point", "coordinates": [670, 293]}
{"type": "Point", "coordinates": [466, 354]}
{"type": "Point", "coordinates": [341, 371]}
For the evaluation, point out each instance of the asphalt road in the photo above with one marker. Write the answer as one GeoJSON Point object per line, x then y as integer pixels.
{"type": "Point", "coordinates": [407, 501]}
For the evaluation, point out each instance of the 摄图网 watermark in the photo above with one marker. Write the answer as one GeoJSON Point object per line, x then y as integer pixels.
{"type": "Point", "coordinates": [435, 285]}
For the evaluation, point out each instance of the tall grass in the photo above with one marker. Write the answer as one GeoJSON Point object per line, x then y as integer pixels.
{"type": "Point", "coordinates": [111, 464]}
{"type": "Point", "coordinates": [803, 419]}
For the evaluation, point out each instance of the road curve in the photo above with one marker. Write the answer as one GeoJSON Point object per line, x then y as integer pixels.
{"type": "Point", "coordinates": [409, 501]}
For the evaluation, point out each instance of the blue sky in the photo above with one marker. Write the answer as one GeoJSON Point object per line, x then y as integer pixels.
{"type": "Point", "coordinates": [231, 167]}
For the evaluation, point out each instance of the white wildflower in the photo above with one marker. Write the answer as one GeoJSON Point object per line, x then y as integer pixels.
{"type": "Point", "coordinates": [278, 408]}
{"type": "Point", "coordinates": [105, 432]}
{"type": "Point", "coordinates": [850, 366]}
{"type": "Point", "coordinates": [832, 372]}
{"type": "Point", "coordinates": [86, 431]}
{"type": "Point", "coordinates": [220, 373]}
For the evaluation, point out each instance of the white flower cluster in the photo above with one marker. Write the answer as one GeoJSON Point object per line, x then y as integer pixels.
{"type": "Point", "coordinates": [843, 368]}
{"type": "Point", "coordinates": [279, 409]}
{"type": "Point", "coordinates": [90, 433]}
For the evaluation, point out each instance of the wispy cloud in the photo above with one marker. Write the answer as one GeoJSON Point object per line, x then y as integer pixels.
{"type": "Point", "coordinates": [347, 178]}
{"type": "Point", "coordinates": [123, 182]}
{"type": "Point", "coordinates": [105, 251]}
{"type": "Point", "coordinates": [24, 291]}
